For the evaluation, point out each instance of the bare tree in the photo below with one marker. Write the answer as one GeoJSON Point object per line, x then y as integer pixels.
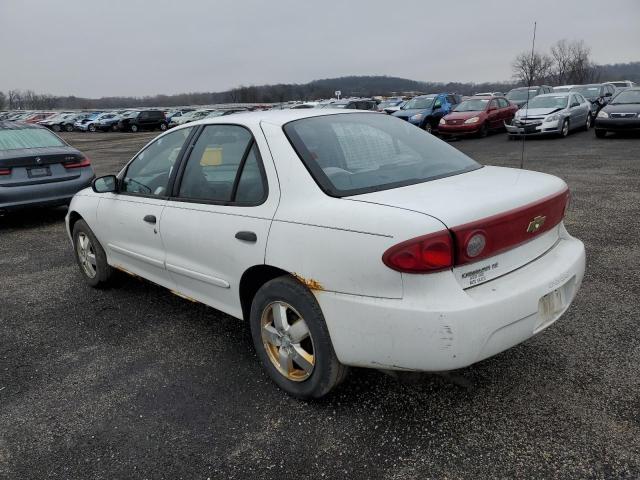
{"type": "Point", "coordinates": [531, 68]}
{"type": "Point", "coordinates": [3, 100]}
{"type": "Point", "coordinates": [572, 62]}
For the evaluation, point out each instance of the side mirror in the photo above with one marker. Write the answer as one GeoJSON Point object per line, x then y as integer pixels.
{"type": "Point", "coordinates": [608, 94]}
{"type": "Point", "coordinates": [437, 106]}
{"type": "Point", "coordinates": [105, 184]}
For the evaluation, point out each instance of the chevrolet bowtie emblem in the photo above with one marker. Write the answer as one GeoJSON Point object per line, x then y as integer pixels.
{"type": "Point", "coordinates": [536, 224]}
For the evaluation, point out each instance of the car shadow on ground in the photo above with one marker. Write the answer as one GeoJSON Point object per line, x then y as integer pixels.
{"type": "Point", "coordinates": [32, 217]}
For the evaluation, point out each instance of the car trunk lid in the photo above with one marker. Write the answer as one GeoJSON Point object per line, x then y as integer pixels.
{"type": "Point", "coordinates": [517, 211]}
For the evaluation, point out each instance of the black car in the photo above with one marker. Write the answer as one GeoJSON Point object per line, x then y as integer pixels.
{"type": "Point", "coordinates": [143, 120]}
{"type": "Point", "coordinates": [598, 94]}
{"type": "Point", "coordinates": [38, 168]}
{"type": "Point", "coordinates": [622, 114]}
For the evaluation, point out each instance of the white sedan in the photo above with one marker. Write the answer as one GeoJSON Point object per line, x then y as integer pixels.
{"type": "Point", "coordinates": [343, 238]}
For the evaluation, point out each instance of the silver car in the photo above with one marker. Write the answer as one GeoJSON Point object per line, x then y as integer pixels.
{"type": "Point", "coordinates": [552, 114]}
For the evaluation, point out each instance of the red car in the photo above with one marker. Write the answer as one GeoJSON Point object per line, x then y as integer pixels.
{"type": "Point", "coordinates": [477, 115]}
{"type": "Point", "coordinates": [37, 117]}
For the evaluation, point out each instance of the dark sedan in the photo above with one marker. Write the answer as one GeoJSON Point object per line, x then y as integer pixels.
{"type": "Point", "coordinates": [37, 168]}
{"type": "Point", "coordinates": [622, 114]}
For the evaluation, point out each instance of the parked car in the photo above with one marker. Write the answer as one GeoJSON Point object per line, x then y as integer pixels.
{"type": "Point", "coordinates": [143, 120]}
{"type": "Point", "coordinates": [66, 123]}
{"type": "Point", "coordinates": [598, 94]}
{"type": "Point", "coordinates": [38, 168]}
{"type": "Point", "coordinates": [389, 102]}
{"type": "Point", "coordinates": [552, 114]}
{"type": "Point", "coordinates": [354, 104]}
{"type": "Point", "coordinates": [477, 115]}
{"type": "Point", "coordinates": [104, 121]}
{"type": "Point", "coordinates": [54, 121]}
{"type": "Point", "coordinates": [563, 88]}
{"type": "Point", "coordinates": [622, 114]}
{"type": "Point", "coordinates": [81, 123]}
{"type": "Point", "coordinates": [425, 111]}
{"type": "Point", "coordinates": [406, 293]}
{"type": "Point", "coordinates": [190, 117]}
{"type": "Point", "coordinates": [107, 122]}
{"type": "Point", "coordinates": [223, 112]}
{"type": "Point", "coordinates": [521, 95]}
{"type": "Point", "coordinates": [393, 109]}
{"type": "Point", "coordinates": [38, 116]}
{"type": "Point", "coordinates": [622, 84]}
{"type": "Point", "coordinates": [177, 113]}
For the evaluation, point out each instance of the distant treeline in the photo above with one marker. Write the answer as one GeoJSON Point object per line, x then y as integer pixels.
{"type": "Point", "coordinates": [361, 86]}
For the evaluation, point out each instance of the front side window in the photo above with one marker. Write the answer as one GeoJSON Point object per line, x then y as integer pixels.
{"type": "Point", "coordinates": [223, 167]}
{"type": "Point", "coordinates": [149, 172]}
{"type": "Point", "coordinates": [348, 154]}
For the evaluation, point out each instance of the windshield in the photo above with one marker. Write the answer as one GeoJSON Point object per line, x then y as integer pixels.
{"type": "Point", "coordinates": [589, 92]}
{"type": "Point", "coordinates": [28, 138]}
{"type": "Point", "coordinates": [521, 94]}
{"type": "Point", "coordinates": [626, 97]}
{"type": "Point", "coordinates": [552, 101]}
{"type": "Point", "coordinates": [475, 105]}
{"type": "Point", "coordinates": [619, 84]}
{"type": "Point", "coordinates": [348, 154]}
{"type": "Point", "coordinates": [421, 103]}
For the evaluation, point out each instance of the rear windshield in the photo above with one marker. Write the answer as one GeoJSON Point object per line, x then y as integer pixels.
{"type": "Point", "coordinates": [349, 154]}
{"type": "Point", "coordinates": [28, 138]}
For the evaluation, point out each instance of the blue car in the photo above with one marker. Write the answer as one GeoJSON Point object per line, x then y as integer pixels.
{"type": "Point", "coordinates": [425, 111]}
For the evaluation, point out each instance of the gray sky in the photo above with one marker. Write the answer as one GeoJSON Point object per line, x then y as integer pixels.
{"type": "Point", "coordinates": [145, 47]}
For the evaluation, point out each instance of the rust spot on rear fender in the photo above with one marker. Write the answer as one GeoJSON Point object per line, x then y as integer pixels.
{"type": "Point", "coordinates": [310, 283]}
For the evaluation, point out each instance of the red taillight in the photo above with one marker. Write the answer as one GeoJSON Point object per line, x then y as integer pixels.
{"type": "Point", "coordinates": [477, 240]}
{"type": "Point", "coordinates": [490, 236]}
{"type": "Point", "coordinates": [429, 253]}
{"type": "Point", "coordinates": [85, 162]}
{"type": "Point", "coordinates": [5, 171]}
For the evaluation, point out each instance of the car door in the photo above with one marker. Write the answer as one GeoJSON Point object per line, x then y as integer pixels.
{"type": "Point", "coordinates": [575, 112]}
{"type": "Point", "coordinates": [216, 224]}
{"type": "Point", "coordinates": [493, 114]}
{"type": "Point", "coordinates": [129, 222]}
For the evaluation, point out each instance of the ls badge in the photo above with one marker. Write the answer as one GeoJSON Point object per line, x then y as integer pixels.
{"type": "Point", "coordinates": [536, 224]}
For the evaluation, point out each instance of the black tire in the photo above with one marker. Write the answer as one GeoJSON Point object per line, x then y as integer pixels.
{"type": "Point", "coordinates": [134, 128]}
{"type": "Point", "coordinates": [600, 133]}
{"type": "Point", "coordinates": [103, 271]}
{"type": "Point", "coordinates": [428, 127]}
{"type": "Point", "coordinates": [114, 128]}
{"type": "Point", "coordinates": [68, 127]}
{"type": "Point", "coordinates": [92, 128]}
{"type": "Point", "coordinates": [484, 130]}
{"type": "Point", "coordinates": [588, 123]}
{"type": "Point", "coordinates": [327, 371]}
{"type": "Point", "coordinates": [56, 128]}
{"type": "Point", "coordinates": [564, 131]}
{"type": "Point", "coordinates": [163, 126]}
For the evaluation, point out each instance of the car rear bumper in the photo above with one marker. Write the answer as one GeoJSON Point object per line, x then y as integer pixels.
{"type": "Point", "coordinates": [44, 194]}
{"type": "Point", "coordinates": [453, 328]}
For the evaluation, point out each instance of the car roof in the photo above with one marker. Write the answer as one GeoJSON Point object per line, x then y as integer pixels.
{"type": "Point", "coordinates": [556, 94]}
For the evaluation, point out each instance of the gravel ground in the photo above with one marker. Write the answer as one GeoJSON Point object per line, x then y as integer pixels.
{"type": "Point", "coordinates": [133, 382]}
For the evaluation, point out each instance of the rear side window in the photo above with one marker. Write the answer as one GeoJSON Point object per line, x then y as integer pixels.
{"type": "Point", "coordinates": [28, 138]}
{"type": "Point", "coordinates": [348, 154]}
{"type": "Point", "coordinates": [224, 167]}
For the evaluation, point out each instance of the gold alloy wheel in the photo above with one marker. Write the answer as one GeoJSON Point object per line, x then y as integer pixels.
{"type": "Point", "coordinates": [287, 341]}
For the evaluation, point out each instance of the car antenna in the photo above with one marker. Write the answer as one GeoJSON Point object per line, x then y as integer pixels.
{"type": "Point", "coordinates": [526, 107]}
